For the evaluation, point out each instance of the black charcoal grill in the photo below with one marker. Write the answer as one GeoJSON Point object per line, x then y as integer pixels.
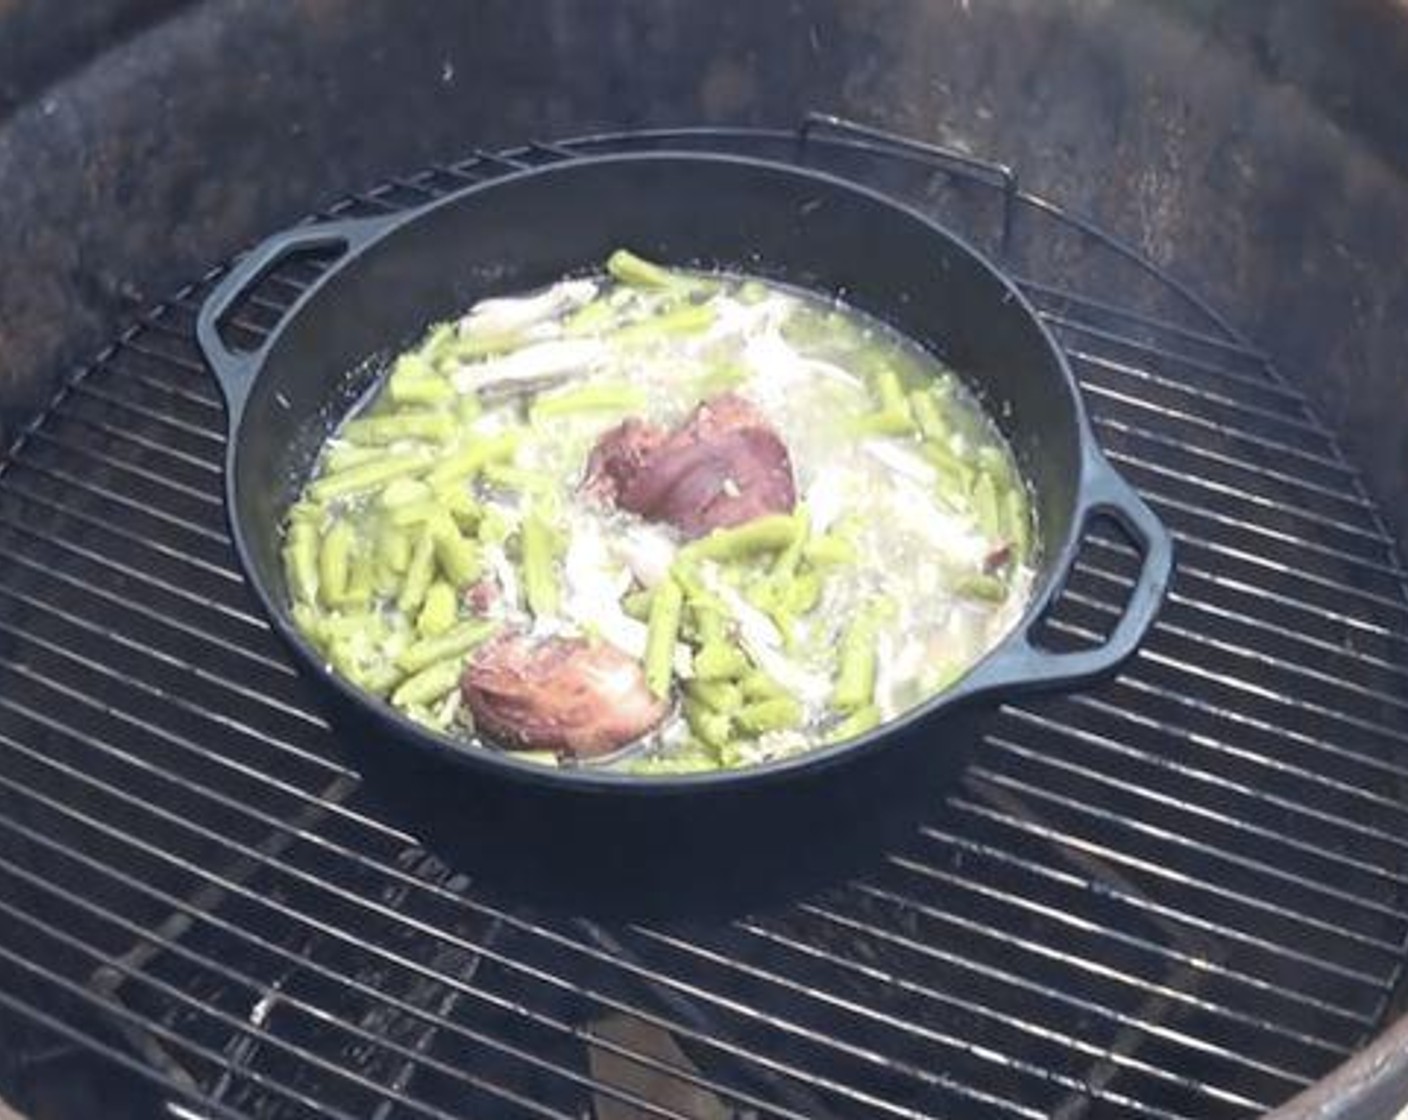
{"type": "Point", "coordinates": [1180, 894]}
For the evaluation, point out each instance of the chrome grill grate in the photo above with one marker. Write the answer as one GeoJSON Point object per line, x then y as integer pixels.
{"type": "Point", "coordinates": [1180, 894]}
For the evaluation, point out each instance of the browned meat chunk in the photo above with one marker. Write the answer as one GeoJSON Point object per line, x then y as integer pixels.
{"type": "Point", "coordinates": [723, 466]}
{"type": "Point", "coordinates": [584, 698]}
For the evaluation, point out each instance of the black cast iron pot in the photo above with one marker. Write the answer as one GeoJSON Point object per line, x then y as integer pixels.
{"type": "Point", "coordinates": [399, 273]}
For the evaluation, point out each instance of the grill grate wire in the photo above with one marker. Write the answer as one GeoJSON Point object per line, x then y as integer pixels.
{"type": "Point", "coordinates": [1177, 894]}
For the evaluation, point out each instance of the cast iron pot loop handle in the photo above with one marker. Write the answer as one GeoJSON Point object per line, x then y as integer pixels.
{"type": "Point", "coordinates": [235, 369]}
{"type": "Point", "coordinates": [1020, 664]}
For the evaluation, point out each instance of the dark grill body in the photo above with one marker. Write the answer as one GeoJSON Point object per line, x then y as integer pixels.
{"type": "Point", "coordinates": [1179, 894]}
{"type": "Point", "coordinates": [1175, 895]}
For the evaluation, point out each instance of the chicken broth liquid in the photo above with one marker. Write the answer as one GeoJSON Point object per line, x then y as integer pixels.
{"type": "Point", "coordinates": [660, 521]}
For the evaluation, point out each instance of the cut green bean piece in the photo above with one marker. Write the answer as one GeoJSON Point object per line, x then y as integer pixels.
{"type": "Point", "coordinates": [509, 477]}
{"type": "Point", "coordinates": [661, 764]}
{"type": "Point", "coordinates": [928, 415]}
{"type": "Point", "coordinates": [603, 397]}
{"type": "Point", "coordinates": [769, 715]}
{"type": "Point", "coordinates": [468, 409]}
{"type": "Point", "coordinates": [710, 726]}
{"type": "Point", "coordinates": [454, 642]}
{"type": "Point", "coordinates": [986, 506]}
{"type": "Point", "coordinates": [630, 269]}
{"type": "Point", "coordinates": [857, 723]}
{"type": "Point", "coordinates": [720, 662]}
{"type": "Point", "coordinates": [341, 456]}
{"type": "Point", "coordinates": [689, 318]}
{"type": "Point", "coordinates": [787, 560]}
{"type": "Point", "coordinates": [801, 594]}
{"type": "Point", "coordinates": [301, 562]}
{"type": "Point", "coordinates": [471, 459]}
{"type": "Point", "coordinates": [721, 696]}
{"type": "Point", "coordinates": [590, 318]}
{"type": "Point", "coordinates": [458, 558]}
{"type": "Point", "coordinates": [855, 674]}
{"type": "Point", "coordinates": [394, 549]}
{"type": "Point", "coordinates": [370, 475]}
{"type": "Point", "coordinates": [982, 586]}
{"type": "Point", "coordinates": [539, 564]}
{"type": "Point", "coordinates": [360, 579]}
{"type": "Point", "coordinates": [663, 631]}
{"type": "Point", "coordinates": [436, 427]}
{"type": "Point", "coordinates": [884, 423]}
{"type": "Point", "coordinates": [1018, 524]}
{"type": "Point", "coordinates": [437, 614]}
{"type": "Point", "coordinates": [310, 622]}
{"type": "Point", "coordinates": [758, 685]}
{"type": "Point", "coordinates": [710, 622]}
{"type": "Point", "coordinates": [306, 511]}
{"type": "Point", "coordinates": [404, 492]}
{"type": "Point", "coordinates": [334, 563]}
{"type": "Point", "coordinates": [429, 684]}
{"type": "Point", "coordinates": [636, 604]}
{"type": "Point", "coordinates": [827, 549]}
{"type": "Point", "coordinates": [763, 534]}
{"type": "Point", "coordinates": [538, 758]}
{"type": "Point", "coordinates": [419, 573]}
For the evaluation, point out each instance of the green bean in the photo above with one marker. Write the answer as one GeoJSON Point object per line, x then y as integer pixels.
{"type": "Point", "coordinates": [378, 679]}
{"type": "Point", "coordinates": [636, 604]}
{"type": "Point", "coordinates": [436, 427]}
{"type": "Point", "coordinates": [419, 573]}
{"type": "Point", "coordinates": [437, 614]}
{"type": "Point", "coordinates": [758, 685]}
{"type": "Point", "coordinates": [454, 642]}
{"type": "Point", "coordinates": [857, 723]}
{"type": "Point", "coordinates": [494, 527]}
{"type": "Point", "coordinates": [630, 269]}
{"type": "Point", "coordinates": [787, 560]}
{"type": "Point", "coordinates": [663, 631]}
{"type": "Point", "coordinates": [1018, 523]}
{"type": "Point", "coordinates": [604, 397]}
{"type": "Point", "coordinates": [883, 423]}
{"type": "Point", "coordinates": [394, 548]}
{"type": "Point", "coordinates": [720, 696]}
{"type": "Point", "coordinates": [768, 533]}
{"type": "Point", "coordinates": [301, 562]}
{"type": "Point", "coordinates": [341, 456]}
{"type": "Point", "coordinates": [458, 558]}
{"type": "Point", "coordinates": [980, 585]}
{"type": "Point", "coordinates": [509, 477]}
{"type": "Point", "coordinates": [430, 684]}
{"type": "Point", "coordinates": [828, 549]}
{"type": "Point", "coordinates": [710, 622]}
{"type": "Point", "coordinates": [360, 579]}
{"type": "Point", "coordinates": [414, 381]}
{"type": "Point", "coordinates": [927, 414]}
{"type": "Point", "coordinates": [855, 673]}
{"type": "Point", "coordinates": [470, 460]}
{"type": "Point", "coordinates": [717, 661]}
{"type": "Point", "coordinates": [671, 764]}
{"type": "Point", "coordinates": [689, 318]}
{"type": "Point", "coordinates": [334, 560]}
{"type": "Point", "coordinates": [590, 318]}
{"type": "Point", "coordinates": [986, 506]}
{"type": "Point", "coordinates": [306, 511]}
{"type": "Point", "coordinates": [801, 594]}
{"type": "Point", "coordinates": [769, 715]}
{"type": "Point", "coordinates": [370, 475]}
{"type": "Point", "coordinates": [403, 492]}
{"type": "Point", "coordinates": [891, 393]}
{"type": "Point", "coordinates": [539, 579]}
{"type": "Point", "coordinates": [712, 727]}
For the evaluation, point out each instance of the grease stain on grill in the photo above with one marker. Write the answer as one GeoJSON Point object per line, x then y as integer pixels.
{"type": "Point", "coordinates": [1178, 894]}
